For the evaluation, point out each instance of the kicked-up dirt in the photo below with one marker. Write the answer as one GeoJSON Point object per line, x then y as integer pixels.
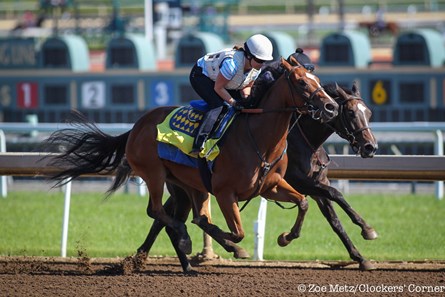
{"type": "Point", "coordinates": [37, 276]}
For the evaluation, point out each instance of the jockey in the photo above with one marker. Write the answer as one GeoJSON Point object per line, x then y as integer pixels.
{"type": "Point", "coordinates": [303, 59]}
{"type": "Point", "coordinates": [271, 71]}
{"type": "Point", "coordinates": [226, 77]}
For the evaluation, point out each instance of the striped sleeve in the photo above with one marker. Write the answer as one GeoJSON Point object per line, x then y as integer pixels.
{"type": "Point", "coordinates": [228, 68]}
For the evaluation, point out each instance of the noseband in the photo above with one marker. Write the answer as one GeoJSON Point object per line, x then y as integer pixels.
{"type": "Point", "coordinates": [348, 131]}
{"type": "Point", "coordinates": [308, 99]}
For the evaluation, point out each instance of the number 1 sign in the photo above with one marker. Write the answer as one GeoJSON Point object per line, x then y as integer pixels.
{"type": "Point", "coordinates": [27, 95]}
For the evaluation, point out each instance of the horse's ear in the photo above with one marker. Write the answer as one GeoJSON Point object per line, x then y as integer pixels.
{"type": "Point", "coordinates": [355, 90]}
{"type": "Point", "coordinates": [293, 61]}
{"type": "Point", "coordinates": [285, 64]}
{"type": "Point", "coordinates": [340, 91]}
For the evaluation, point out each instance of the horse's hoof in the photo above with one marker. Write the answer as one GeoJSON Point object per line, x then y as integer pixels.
{"type": "Point", "coordinates": [138, 261]}
{"type": "Point", "coordinates": [141, 254]}
{"type": "Point", "coordinates": [241, 254]}
{"type": "Point", "coordinates": [282, 241]}
{"type": "Point", "coordinates": [189, 271]}
{"type": "Point", "coordinates": [185, 245]}
{"type": "Point", "coordinates": [369, 234]}
{"type": "Point", "coordinates": [366, 266]}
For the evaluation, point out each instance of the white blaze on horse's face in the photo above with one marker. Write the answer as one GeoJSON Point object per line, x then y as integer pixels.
{"type": "Point", "coordinates": [313, 77]}
{"type": "Point", "coordinates": [362, 108]}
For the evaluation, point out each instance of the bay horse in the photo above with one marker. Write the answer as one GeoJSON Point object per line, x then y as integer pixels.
{"type": "Point", "coordinates": [307, 172]}
{"type": "Point", "coordinates": [252, 161]}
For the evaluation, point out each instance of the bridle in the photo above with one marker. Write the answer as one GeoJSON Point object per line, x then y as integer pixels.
{"type": "Point", "coordinates": [308, 106]}
{"type": "Point", "coordinates": [346, 130]}
{"type": "Point", "coordinates": [267, 166]}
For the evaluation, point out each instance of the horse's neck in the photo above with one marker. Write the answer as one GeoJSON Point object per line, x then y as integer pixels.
{"type": "Point", "coordinates": [314, 132]}
{"type": "Point", "coordinates": [271, 126]}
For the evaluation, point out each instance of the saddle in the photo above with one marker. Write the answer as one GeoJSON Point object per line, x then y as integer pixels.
{"type": "Point", "coordinates": [182, 125]}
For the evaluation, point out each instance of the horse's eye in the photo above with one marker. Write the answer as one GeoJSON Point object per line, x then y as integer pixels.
{"type": "Point", "coordinates": [351, 113]}
{"type": "Point", "coordinates": [302, 83]}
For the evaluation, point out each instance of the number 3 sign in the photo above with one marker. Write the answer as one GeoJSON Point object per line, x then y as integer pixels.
{"type": "Point", "coordinates": [161, 92]}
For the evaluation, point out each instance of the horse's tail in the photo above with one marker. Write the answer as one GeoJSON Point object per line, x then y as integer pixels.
{"type": "Point", "coordinates": [87, 150]}
{"type": "Point", "coordinates": [123, 173]}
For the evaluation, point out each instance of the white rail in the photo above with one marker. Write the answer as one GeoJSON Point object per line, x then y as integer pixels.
{"type": "Point", "coordinates": [431, 168]}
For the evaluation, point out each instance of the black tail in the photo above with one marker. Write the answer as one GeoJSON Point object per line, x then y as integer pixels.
{"type": "Point", "coordinates": [85, 149]}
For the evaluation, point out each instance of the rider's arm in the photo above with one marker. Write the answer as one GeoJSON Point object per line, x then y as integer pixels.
{"type": "Point", "coordinates": [245, 92]}
{"type": "Point", "coordinates": [227, 71]}
{"type": "Point", "coordinates": [220, 89]}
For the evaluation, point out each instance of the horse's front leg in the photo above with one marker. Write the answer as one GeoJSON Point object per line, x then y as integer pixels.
{"type": "Point", "coordinates": [328, 211]}
{"type": "Point", "coordinates": [202, 218]}
{"type": "Point", "coordinates": [333, 194]}
{"type": "Point", "coordinates": [285, 193]}
{"type": "Point", "coordinates": [221, 237]}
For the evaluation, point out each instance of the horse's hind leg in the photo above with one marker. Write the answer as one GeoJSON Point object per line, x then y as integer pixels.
{"type": "Point", "coordinates": [328, 211]}
{"type": "Point", "coordinates": [156, 228]}
{"type": "Point", "coordinates": [368, 232]}
{"type": "Point", "coordinates": [156, 211]}
{"type": "Point", "coordinates": [185, 264]}
{"type": "Point", "coordinates": [178, 207]}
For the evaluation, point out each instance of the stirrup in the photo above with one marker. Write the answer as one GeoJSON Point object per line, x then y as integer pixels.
{"type": "Point", "coordinates": [205, 129]}
{"type": "Point", "coordinates": [198, 143]}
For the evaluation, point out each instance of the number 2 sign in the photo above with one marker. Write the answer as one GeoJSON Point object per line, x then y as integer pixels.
{"type": "Point", "coordinates": [93, 94]}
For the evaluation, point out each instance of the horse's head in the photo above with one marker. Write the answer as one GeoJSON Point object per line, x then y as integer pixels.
{"type": "Point", "coordinates": [352, 122]}
{"type": "Point", "coordinates": [307, 85]}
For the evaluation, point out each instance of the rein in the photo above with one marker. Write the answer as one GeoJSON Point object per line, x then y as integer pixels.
{"type": "Point", "coordinates": [300, 110]}
{"type": "Point", "coordinates": [346, 132]}
{"type": "Point", "coordinates": [309, 98]}
{"type": "Point", "coordinates": [314, 151]}
{"type": "Point", "coordinates": [267, 166]}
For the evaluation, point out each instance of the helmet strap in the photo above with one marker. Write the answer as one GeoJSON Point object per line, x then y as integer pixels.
{"type": "Point", "coordinates": [247, 51]}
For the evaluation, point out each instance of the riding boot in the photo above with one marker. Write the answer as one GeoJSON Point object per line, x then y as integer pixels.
{"type": "Point", "coordinates": [205, 129]}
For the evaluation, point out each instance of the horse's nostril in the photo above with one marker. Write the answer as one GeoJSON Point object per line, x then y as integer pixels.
{"type": "Point", "coordinates": [370, 148]}
{"type": "Point", "coordinates": [329, 107]}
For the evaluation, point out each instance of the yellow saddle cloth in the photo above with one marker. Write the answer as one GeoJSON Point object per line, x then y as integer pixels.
{"type": "Point", "coordinates": [180, 128]}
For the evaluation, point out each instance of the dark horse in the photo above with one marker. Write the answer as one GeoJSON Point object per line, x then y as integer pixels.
{"type": "Point", "coordinates": [254, 144]}
{"type": "Point", "coordinates": [306, 172]}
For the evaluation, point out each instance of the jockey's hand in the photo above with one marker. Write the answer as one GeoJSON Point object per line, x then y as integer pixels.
{"type": "Point", "coordinates": [238, 106]}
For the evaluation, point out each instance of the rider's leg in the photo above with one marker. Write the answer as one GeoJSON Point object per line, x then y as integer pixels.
{"type": "Point", "coordinates": [205, 87]}
{"type": "Point", "coordinates": [206, 128]}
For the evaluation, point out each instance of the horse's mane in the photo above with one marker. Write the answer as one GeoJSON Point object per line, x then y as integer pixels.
{"type": "Point", "coordinates": [331, 89]}
{"type": "Point", "coordinates": [268, 76]}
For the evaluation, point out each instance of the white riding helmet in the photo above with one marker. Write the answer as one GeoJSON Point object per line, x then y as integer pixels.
{"type": "Point", "coordinates": [260, 47]}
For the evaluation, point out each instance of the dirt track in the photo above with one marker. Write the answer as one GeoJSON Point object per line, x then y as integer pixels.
{"type": "Point", "coordinates": [26, 276]}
